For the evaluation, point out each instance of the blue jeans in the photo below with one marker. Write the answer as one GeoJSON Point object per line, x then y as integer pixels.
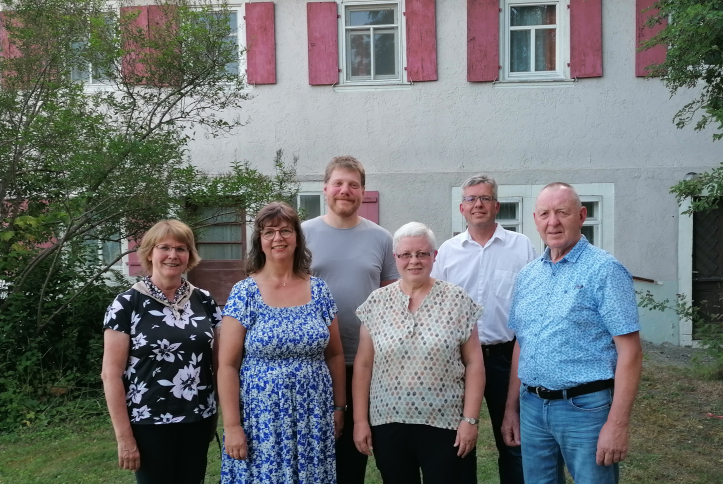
{"type": "Point", "coordinates": [565, 431]}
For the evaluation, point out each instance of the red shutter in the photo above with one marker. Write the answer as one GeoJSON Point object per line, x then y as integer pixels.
{"type": "Point", "coordinates": [7, 50]}
{"type": "Point", "coordinates": [132, 69]}
{"type": "Point", "coordinates": [134, 265]}
{"type": "Point", "coordinates": [370, 206]}
{"type": "Point", "coordinates": [483, 40]}
{"type": "Point", "coordinates": [260, 43]}
{"type": "Point", "coordinates": [655, 55]}
{"type": "Point", "coordinates": [585, 38]}
{"type": "Point", "coordinates": [322, 28]}
{"type": "Point", "coordinates": [421, 40]}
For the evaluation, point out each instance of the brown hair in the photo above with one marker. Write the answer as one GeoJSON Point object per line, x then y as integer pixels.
{"type": "Point", "coordinates": [279, 211]}
{"type": "Point", "coordinates": [346, 163]}
{"type": "Point", "coordinates": [168, 228]}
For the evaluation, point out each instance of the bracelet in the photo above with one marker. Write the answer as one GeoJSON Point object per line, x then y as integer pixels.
{"type": "Point", "coordinates": [340, 409]}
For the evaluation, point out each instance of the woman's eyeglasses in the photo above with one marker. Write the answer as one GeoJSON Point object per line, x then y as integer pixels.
{"type": "Point", "coordinates": [269, 234]}
{"type": "Point", "coordinates": [166, 249]}
{"type": "Point", "coordinates": [418, 255]}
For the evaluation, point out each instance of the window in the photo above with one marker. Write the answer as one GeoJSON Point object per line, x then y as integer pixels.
{"type": "Point", "coordinates": [233, 38]}
{"type": "Point", "coordinates": [510, 214]}
{"type": "Point", "coordinates": [310, 205]}
{"type": "Point", "coordinates": [94, 72]}
{"type": "Point", "coordinates": [534, 44]}
{"type": "Point", "coordinates": [223, 238]}
{"type": "Point", "coordinates": [371, 36]}
{"type": "Point", "coordinates": [591, 227]}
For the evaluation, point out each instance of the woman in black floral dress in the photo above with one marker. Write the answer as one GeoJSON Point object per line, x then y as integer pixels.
{"type": "Point", "coordinates": [158, 371]}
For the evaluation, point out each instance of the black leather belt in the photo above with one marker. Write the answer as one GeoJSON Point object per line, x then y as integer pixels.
{"type": "Point", "coordinates": [584, 389]}
{"type": "Point", "coordinates": [505, 348]}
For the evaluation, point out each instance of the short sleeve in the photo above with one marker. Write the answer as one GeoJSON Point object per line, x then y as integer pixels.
{"type": "Point", "coordinates": [389, 268]}
{"type": "Point", "coordinates": [324, 300]}
{"type": "Point", "coordinates": [119, 314]}
{"type": "Point", "coordinates": [214, 312]}
{"type": "Point", "coordinates": [240, 302]}
{"type": "Point", "coordinates": [471, 311]}
{"type": "Point", "coordinates": [617, 305]}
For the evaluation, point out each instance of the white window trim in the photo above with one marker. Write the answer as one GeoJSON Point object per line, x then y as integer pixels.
{"type": "Point", "coordinates": [604, 193]}
{"type": "Point", "coordinates": [516, 222]}
{"type": "Point", "coordinates": [558, 78]}
{"type": "Point", "coordinates": [382, 84]}
{"type": "Point", "coordinates": [313, 188]}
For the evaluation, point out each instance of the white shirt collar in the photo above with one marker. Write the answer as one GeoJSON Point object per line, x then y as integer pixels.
{"type": "Point", "coordinates": [499, 233]}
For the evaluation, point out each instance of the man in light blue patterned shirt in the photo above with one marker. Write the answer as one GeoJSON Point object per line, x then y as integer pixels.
{"type": "Point", "coordinates": [578, 353]}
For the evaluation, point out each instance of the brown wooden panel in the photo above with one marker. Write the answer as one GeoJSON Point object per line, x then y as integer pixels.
{"type": "Point", "coordinates": [218, 277]}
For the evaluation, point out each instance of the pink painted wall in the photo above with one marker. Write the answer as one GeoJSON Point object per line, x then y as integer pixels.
{"type": "Point", "coordinates": [585, 38]}
{"type": "Point", "coordinates": [261, 43]}
{"type": "Point", "coordinates": [421, 40]}
{"type": "Point", "coordinates": [483, 40]}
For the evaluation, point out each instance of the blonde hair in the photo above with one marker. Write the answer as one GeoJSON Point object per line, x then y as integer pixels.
{"type": "Point", "coordinates": [168, 228]}
{"type": "Point", "coordinates": [345, 163]}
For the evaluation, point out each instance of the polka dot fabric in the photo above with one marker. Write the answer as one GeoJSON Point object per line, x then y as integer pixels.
{"type": "Point", "coordinates": [418, 375]}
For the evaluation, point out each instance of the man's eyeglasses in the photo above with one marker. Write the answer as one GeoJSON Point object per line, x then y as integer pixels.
{"type": "Point", "coordinates": [418, 255]}
{"type": "Point", "coordinates": [269, 234]}
{"type": "Point", "coordinates": [166, 249]}
{"type": "Point", "coordinates": [471, 199]}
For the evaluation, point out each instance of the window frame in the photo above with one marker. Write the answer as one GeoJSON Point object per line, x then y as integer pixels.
{"type": "Point", "coordinates": [562, 71]}
{"type": "Point", "coordinates": [344, 6]}
{"type": "Point", "coordinates": [312, 193]}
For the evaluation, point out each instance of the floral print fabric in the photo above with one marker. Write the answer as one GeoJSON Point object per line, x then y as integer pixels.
{"type": "Point", "coordinates": [286, 397]}
{"type": "Point", "coordinates": [169, 375]}
{"type": "Point", "coordinates": [418, 374]}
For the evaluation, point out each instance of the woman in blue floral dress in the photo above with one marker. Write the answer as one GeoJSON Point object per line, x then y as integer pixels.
{"type": "Point", "coordinates": [280, 352]}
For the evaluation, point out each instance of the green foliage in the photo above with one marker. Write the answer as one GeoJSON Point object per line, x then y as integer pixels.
{"type": "Point", "coordinates": [709, 330]}
{"type": "Point", "coordinates": [694, 36]}
{"type": "Point", "coordinates": [80, 167]}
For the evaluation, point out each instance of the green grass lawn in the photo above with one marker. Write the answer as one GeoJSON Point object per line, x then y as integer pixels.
{"type": "Point", "coordinates": [673, 439]}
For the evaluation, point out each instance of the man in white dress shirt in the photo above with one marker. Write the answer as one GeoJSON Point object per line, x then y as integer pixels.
{"type": "Point", "coordinates": [484, 260]}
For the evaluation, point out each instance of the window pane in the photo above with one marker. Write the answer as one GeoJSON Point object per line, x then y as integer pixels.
{"type": "Point", "coordinates": [511, 228]}
{"type": "Point", "coordinates": [232, 67]}
{"type": "Point", "coordinates": [508, 211]}
{"type": "Point", "coordinates": [520, 51]}
{"type": "Point", "coordinates": [360, 57]}
{"type": "Point", "coordinates": [371, 17]}
{"type": "Point", "coordinates": [385, 63]}
{"type": "Point", "coordinates": [220, 251]}
{"type": "Point", "coordinates": [591, 209]}
{"type": "Point", "coordinates": [311, 205]}
{"type": "Point", "coordinates": [79, 72]}
{"type": "Point", "coordinates": [536, 15]}
{"type": "Point", "coordinates": [545, 50]}
{"type": "Point", "coordinates": [111, 250]}
{"type": "Point", "coordinates": [589, 232]}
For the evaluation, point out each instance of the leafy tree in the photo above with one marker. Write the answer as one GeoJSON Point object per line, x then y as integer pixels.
{"type": "Point", "coordinates": [82, 166]}
{"type": "Point", "coordinates": [694, 36]}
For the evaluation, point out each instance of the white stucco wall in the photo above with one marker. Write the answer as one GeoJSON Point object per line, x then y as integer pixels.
{"type": "Point", "coordinates": [418, 143]}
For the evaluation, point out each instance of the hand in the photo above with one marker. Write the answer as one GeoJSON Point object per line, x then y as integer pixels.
{"type": "Point", "coordinates": [235, 442]}
{"type": "Point", "coordinates": [466, 438]}
{"type": "Point", "coordinates": [511, 428]}
{"type": "Point", "coordinates": [338, 423]}
{"type": "Point", "coordinates": [363, 438]}
{"type": "Point", "coordinates": [128, 456]}
{"type": "Point", "coordinates": [612, 444]}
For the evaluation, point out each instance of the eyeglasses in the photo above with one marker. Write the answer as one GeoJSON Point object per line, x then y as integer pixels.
{"type": "Point", "coordinates": [269, 234]}
{"type": "Point", "coordinates": [166, 249]}
{"type": "Point", "coordinates": [418, 255]}
{"type": "Point", "coordinates": [471, 199]}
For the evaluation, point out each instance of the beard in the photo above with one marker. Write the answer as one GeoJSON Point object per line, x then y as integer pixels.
{"type": "Point", "coordinates": [344, 210]}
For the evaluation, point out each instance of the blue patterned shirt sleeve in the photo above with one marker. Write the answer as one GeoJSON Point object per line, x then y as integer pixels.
{"type": "Point", "coordinates": [324, 300]}
{"type": "Point", "coordinates": [566, 314]}
{"type": "Point", "coordinates": [240, 303]}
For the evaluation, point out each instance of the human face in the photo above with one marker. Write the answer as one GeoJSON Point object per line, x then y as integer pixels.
{"type": "Point", "coordinates": [278, 247]}
{"type": "Point", "coordinates": [414, 271]}
{"type": "Point", "coordinates": [169, 265]}
{"type": "Point", "coordinates": [344, 192]}
{"type": "Point", "coordinates": [559, 220]}
{"type": "Point", "coordinates": [478, 214]}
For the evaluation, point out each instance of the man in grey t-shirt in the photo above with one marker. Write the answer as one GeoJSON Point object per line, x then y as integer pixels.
{"type": "Point", "coordinates": [354, 256]}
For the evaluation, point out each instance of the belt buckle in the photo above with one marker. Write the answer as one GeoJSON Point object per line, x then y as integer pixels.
{"type": "Point", "coordinates": [540, 389]}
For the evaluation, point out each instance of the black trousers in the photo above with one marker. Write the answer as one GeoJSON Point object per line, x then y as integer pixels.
{"type": "Point", "coordinates": [497, 375]}
{"type": "Point", "coordinates": [401, 450]}
{"type": "Point", "coordinates": [351, 465]}
{"type": "Point", "coordinates": [173, 453]}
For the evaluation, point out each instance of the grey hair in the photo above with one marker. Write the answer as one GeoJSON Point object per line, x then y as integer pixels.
{"type": "Point", "coordinates": [480, 179]}
{"type": "Point", "coordinates": [414, 229]}
{"type": "Point", "coordinates": [559, 185]}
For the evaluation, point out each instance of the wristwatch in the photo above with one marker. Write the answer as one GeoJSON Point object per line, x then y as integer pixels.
{"type": "Point", "coordinates": [470, 420]}
{"type": "Point", "coordinates": [340, 409]}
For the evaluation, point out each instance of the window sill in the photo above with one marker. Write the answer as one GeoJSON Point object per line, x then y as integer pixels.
{"type": "Point", "coordinates": [534, 83]}
{"type": "Point", "coordinates": [372, 87]}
